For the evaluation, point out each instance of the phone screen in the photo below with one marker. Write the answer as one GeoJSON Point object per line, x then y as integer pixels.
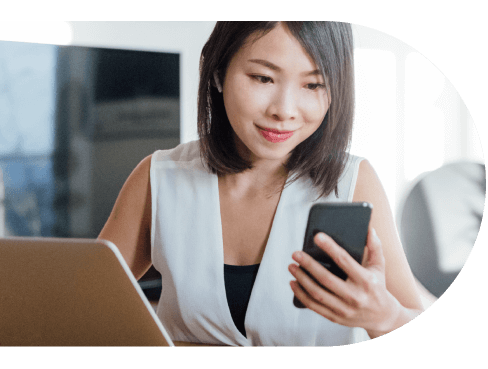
{"type": "Point", "coordinates": [346, 223]}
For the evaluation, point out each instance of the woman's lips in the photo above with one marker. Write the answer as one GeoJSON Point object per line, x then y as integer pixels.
{"type": "Point", "coordinates": [273, 135]}
{"type": "Point", "coordinates": [275, 130]}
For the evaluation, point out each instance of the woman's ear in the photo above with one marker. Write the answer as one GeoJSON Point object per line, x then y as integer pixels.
{"type": "Point", "coordinates": [217, 81]}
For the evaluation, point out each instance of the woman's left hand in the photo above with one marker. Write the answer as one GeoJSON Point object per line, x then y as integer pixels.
{"type": "Point", "coordinates": [360, 301]}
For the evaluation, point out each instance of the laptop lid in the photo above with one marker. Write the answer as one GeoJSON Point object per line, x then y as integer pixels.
{"type": "Point", "coordinates": [72, 292]}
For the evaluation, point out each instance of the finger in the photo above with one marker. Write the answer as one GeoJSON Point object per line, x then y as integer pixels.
{"type": "Point", "coordinates": [318, 293]}
{"type": "Point", "coordinates": [313, 305]}
{"type": "Point", "coordinates": [340, 256]}
{"type": "Point", "coordinates": [323, 276]}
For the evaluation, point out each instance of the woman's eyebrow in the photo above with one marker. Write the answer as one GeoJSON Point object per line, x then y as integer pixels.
{"type": "Point", "coordinates": [274, 67]}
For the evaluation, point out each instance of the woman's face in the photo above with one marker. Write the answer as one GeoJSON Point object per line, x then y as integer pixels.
{"type": "Point", "coordinates": [274, 96]}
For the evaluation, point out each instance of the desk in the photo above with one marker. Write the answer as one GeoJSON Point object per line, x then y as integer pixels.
{"type": "Point", "coordinates": [180, 344]}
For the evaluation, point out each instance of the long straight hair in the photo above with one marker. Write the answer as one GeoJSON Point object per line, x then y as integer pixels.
{"type": "Point", "coordinates": [321, 157]}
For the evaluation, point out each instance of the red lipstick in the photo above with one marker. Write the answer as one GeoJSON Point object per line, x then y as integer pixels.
{"type": "Point", "coordinates": [275, 130]}
{"type": "Point", "coordinates": [273, 135]}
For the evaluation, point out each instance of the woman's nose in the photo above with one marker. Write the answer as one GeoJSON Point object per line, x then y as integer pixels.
{"type": "Point", "coordinates": [283, 105]}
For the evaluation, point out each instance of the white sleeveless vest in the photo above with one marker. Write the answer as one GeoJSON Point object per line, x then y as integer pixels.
{"type": "Point", "coordinates": [187, 249]}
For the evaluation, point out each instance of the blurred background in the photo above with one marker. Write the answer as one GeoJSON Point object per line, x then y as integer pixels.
{"type": "Point", "coordinates": [81, 103]}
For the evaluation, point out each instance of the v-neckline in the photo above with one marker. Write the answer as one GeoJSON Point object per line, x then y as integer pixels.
{"type": "Point", "coordinates": [222, 292]}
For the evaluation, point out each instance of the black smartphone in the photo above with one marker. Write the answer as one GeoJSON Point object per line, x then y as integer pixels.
{"type": "Point", "coordinates": [346, 223]}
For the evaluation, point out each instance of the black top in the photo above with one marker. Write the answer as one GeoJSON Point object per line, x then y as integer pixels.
{"type": "Point", "coordinates": [239, 280]}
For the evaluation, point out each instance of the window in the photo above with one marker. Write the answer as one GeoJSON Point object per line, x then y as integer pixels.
{"type": "Point", "coordinates": [409, 119]}
{"type": "Point", "coordinates": [426, 119]}
{"type": "Point", "coordinates": [374, 127]}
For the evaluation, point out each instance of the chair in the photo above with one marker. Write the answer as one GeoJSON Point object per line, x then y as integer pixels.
{"type": "Point", "coordinates": [440, 220]}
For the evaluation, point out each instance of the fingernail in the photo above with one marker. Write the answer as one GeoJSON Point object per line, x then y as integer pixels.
{"type": "Point", "coordinates": [297, 255]}
{"type": "Point", "coordinates": [375, 235]}
{"type": "Point", "coordinates": [321, 236]}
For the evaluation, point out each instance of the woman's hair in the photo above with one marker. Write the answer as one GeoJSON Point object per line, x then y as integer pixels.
{"type": "Point", "coordinates": [323, 156]}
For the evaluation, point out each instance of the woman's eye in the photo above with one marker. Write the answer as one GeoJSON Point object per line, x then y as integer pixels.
{"type": "Point", "coordinates": [262, 79]}
{"type": "Point", "coordinates": [315, 86]}
{"type": "Point", "coordinates": [266, 80]}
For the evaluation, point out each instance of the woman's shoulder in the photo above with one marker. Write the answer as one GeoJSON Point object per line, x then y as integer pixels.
{"type": "Point", "coordinates": [354, 160]}
{"type": "Point", "coordinates": [184, 152]}
{"type": "Point", "coordinates": [351, 167]}
{"type": "Point", "coordinates": [368, 184]}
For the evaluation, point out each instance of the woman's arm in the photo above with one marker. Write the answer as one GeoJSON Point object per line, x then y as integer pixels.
{"type": "Point", "coordinates": [380, 295]}
{"type": "Point", "coordinates": [129, 224]}
{"type": "Point", "coordinates": [399, 278]}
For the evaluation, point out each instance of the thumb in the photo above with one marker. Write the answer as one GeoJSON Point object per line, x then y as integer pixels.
{"type": "Point", "coordinates": [374, 252]}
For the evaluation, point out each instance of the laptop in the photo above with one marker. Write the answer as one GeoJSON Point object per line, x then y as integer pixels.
{"type": "Point", "coordinates": [72, 292]}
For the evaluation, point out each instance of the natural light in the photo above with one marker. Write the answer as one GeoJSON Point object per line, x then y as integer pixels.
{"type": "Point", "coordinates": [424, 119]}
{"type": "Point", "coordinates": [408, 119]}
{"type": "Point", "coordinates": [374, 135]}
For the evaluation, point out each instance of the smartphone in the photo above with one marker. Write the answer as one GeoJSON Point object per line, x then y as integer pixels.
{"type": "Point", "coordinates": [346, 223]}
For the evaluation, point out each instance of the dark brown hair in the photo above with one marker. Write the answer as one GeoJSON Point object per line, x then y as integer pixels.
{"type": "Point", "coordinates": [323, 156]}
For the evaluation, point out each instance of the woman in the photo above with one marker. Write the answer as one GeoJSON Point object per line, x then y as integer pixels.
{"type": "Point", "coordinates": [221, 217]}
